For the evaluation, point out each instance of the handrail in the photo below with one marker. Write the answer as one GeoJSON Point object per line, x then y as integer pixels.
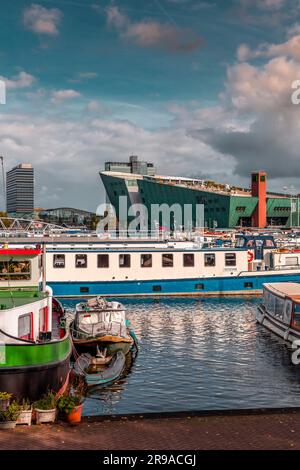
{"type": "Point", "coordinates": [27, 341]}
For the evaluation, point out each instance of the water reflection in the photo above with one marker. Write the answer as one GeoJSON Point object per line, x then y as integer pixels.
{"type": "Point", "coordinates": [200, 354]}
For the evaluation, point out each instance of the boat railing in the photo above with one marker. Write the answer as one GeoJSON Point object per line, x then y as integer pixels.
{"type": "Point", "coordinates": [99, 329]}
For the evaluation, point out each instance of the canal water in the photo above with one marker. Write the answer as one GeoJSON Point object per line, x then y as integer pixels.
{"type": "Point", "coordinates": [200, 354]}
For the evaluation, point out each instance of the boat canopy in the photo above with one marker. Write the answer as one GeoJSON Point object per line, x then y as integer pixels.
{"type": "Point", "coordinates": [285, 289]}
{"type": "Point", "coordinates": [101, 318]}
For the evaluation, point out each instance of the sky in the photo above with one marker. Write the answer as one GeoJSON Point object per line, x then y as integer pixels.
{"type": "Point", "coordinates": [200, 88]}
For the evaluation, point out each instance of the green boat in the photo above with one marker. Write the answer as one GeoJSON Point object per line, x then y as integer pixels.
{"type": "Point", "coordinates": [34, 351]}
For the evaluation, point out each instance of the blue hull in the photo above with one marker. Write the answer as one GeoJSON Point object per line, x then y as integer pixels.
{"type": "Point", "coordinates": [172, 287]}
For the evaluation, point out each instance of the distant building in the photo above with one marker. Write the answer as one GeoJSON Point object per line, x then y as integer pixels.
{"type": "Point", "coordinates": [69, 217]}
{"type": "Point", "coordinates": [20, 190]}
{"type": "Point", "coordinates": [133, 166]}
{"type": "Point", "coordinates": [225, 206]}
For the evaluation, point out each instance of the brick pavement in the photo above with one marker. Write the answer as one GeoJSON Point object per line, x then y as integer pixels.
{"type": "Point", "coordinates": [277, 430]}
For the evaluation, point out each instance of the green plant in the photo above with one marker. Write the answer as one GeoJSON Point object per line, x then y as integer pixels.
{"type": "Point", "coordinates": [11, 413]}
{"type": "Point", "coordinates": [25, 405]}
{"type": "Point", "coordinates": [5, 396]}
{"type": "Point", "coordinates": [72, 398]}
{"type": "Point", "coordinates": [47, 402]}
{"type": "Point", "coordinates": [67, 403]}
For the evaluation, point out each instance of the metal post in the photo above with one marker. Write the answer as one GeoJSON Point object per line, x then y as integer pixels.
{"type": "Point", "coordinates": [3, 180]}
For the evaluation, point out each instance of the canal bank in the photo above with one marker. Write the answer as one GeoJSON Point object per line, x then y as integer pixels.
{"type": "Point", "coordinates": [276, 429]}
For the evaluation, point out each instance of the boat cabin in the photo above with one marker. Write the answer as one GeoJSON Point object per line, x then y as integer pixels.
{"type": "Point", "coordinates": [25, 309]}
{"type": "Point", "coordinates": [258, 243]}
{"type": "Point", "coordinates": [98, 317]}
{"type": "Point", "coordinates": [281, 301]}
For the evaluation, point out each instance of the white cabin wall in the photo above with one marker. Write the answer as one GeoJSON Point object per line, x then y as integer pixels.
{"type": "Point", "coordinates": [93, 274]}
{"type": "Point", "coordinates": [9, 318]}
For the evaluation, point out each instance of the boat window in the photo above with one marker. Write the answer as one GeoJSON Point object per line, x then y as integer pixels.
{"type": "Point", "coordinates": [288, 311]}
{"type": "Point", "coordinates": [240, 242]}
{"type": "Point", "coordinates": [209, 259]}
{"type": "Point", "coordinates": [43, 319]}
{"type": "Point", "coordinates": [15, 270]}
{"type": "Point", "coordinates": [146, 261]}
{"type": "Point", "coordinates": [84, 290]}
{"type": "Point", "coordinates": [296, 318]}
{"type": "Point", "coordinates": [167, 260]}
{"type": "Point", "coordinates": [291, 261]}
{"type": "Point", "coordinates": [250, 244]}
{"type": "Point", "coordinates": [103, 261]}
{"type": "Point", "coordinates": [269, 243]}
{"type": "Point", "coordinates": [270, 303]}
{"type": "Point", "coordinates": [199, 286]}
{"type": "Point", "coordinates": [25, 326]}
{"type": "Point", "coordinates": [124, 261]}
{"type": "Point", "coordinates": [188, 260]}
{"type": "Point", "coordinates": [230, 259]}
{"type": "Point", "coordinates": [81, 261]}
{"type": "Point", "coordinates": [248, 285]}
{"type": "Point", "coordinates": [279, 307]}
{"type": "Point", "coordinates": [59, 261]}
{"type": "Point", "coordinates": [156, 288]}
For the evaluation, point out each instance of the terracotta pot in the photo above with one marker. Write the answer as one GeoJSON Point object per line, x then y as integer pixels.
{"type": "Point", "coordinates": [45, 416]}
{"type": "Point", "coordinates": [75, 416]}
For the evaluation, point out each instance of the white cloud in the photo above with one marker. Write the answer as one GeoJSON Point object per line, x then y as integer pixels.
{"type": "Point", "coordinates": [61, 95]}
{"type": "Point", "coordinates": [150, 33]}
{"type": "Point", "coordinates": [42, 20]}
{"type": "Point", "coordinates": [22, 80]}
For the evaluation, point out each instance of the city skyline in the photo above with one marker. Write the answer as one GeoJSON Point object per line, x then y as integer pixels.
{"type": "Point", "coordinates": [200, 89]}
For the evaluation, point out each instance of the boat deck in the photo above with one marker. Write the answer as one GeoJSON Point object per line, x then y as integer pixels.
{"type": "Point", "coordinates": [17, 298]}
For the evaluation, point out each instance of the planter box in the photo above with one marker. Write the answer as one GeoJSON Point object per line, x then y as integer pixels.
{"type": "Point", "coordinates": [4, 404]}
{"type": "Point", "coordinates": [45, 416]}
{"type": "Point", "coordinates": [25, 417]}
{"type": "Point", "coordinates": [7, 424]}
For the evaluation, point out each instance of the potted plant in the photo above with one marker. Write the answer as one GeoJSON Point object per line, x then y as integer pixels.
{"type": "Point", "coordinates": [4, 400]}
{"type": "Point", "coordinates": [8, 418]}
{"type": "Point", "coordinates": [70, 405]}
{"type": "Point", "coordinates": [45, 409]}
{"type": "Point", "coordinates": [25, 416]}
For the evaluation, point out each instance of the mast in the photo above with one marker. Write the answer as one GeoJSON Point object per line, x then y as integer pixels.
{"type": "Point", "coordinates": [3, 180]}
{"type": "Point", "coordinates": [44, 267]}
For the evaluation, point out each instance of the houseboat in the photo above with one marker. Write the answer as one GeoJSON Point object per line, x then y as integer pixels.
{"type": "Point", "coordinates": [279, 310]}
{"type": "Point", "coordinates": [34, 351]}
{"type": "Point", "coordinates": [87, 267]}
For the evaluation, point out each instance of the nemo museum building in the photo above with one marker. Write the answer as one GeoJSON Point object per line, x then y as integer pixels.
{"type": "Point", "coordinates": [225, 206]}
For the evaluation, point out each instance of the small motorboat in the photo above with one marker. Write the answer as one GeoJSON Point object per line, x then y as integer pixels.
{"type": "Point", "coordinates": [99, 371]}
{"type": "Point", "coordinates": [102, 324]}
{"type": "Point", "coordinates": [279, 310]}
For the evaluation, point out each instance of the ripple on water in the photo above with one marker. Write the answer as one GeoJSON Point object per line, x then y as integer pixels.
{"type": "Point", "coordinates": [200, 354]}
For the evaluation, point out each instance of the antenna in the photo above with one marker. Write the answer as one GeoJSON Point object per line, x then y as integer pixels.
{"type": "Point", "coordinates": [3, 180]}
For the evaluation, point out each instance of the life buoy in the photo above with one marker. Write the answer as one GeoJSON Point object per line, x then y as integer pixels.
{"type": "Point", "coordinates": [250, 257]}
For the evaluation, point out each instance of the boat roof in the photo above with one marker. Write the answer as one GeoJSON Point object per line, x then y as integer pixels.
{"type": "Point", "coordinates": [285, 289]}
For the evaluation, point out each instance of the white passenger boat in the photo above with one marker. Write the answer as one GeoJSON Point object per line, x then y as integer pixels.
{"type": "Point", "coordinates": [279, 310]}
{"type": "Point", "coordinates": [87, 267]}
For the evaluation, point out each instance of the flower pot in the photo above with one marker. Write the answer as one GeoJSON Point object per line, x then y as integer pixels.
{"type": "Point", "coordinates": [7, 424]}
{"type": "Point", "coordinates": [75, 416]}
{"type": "Point", "coordinates": [25, 417]}
{"type": "Point", "coordinates": [4, 403]}
{"type": "Point", "coordinates": [45, 416]}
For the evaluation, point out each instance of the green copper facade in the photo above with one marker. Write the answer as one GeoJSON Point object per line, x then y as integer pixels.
{"type": "Point", "coordinates": [220, 210]}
